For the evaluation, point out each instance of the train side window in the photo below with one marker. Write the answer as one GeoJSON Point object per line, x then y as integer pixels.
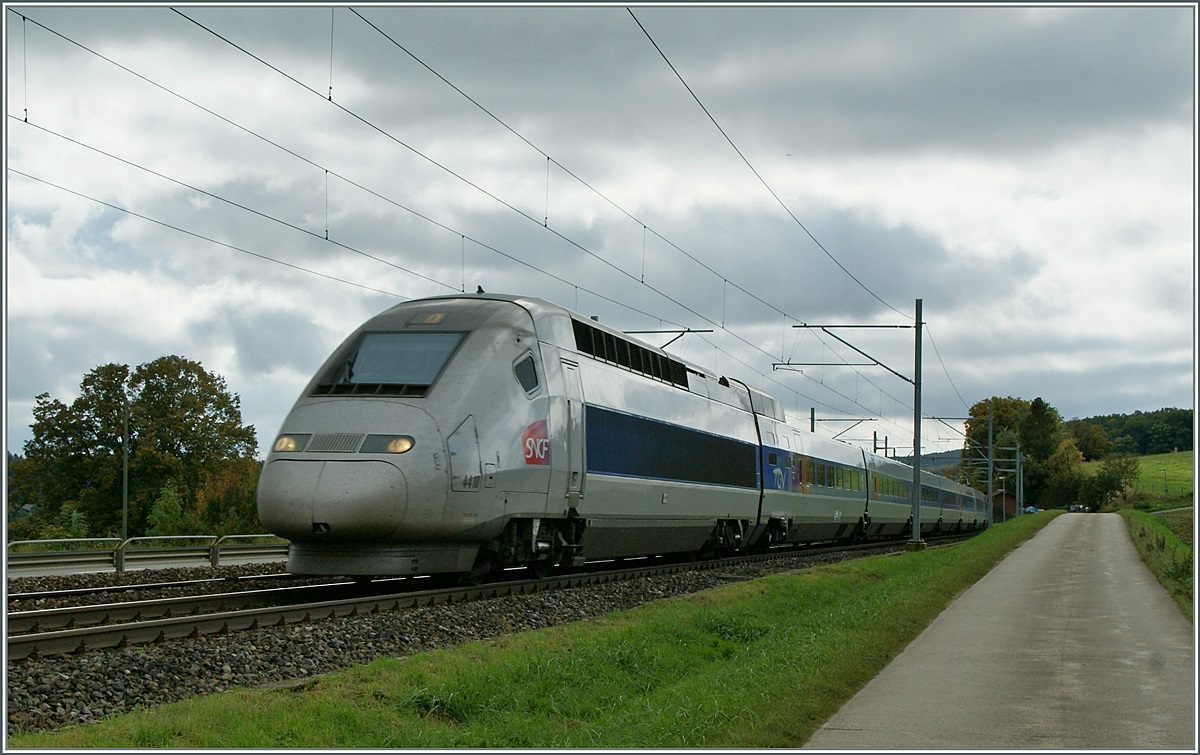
{"type": "Point", "coordinates": [526, 373]}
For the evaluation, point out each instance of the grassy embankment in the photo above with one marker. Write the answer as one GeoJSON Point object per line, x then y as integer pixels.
{"type": "Point", "coordinates": [757, 664]}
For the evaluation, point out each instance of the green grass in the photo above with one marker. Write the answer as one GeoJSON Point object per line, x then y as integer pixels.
{"type": "Point", "coordinates": [1178, 478]}
{"type": "Point", "coordinates": [1154, 489]}
{"type": "Point", "coordinates": [757, 664]}
{"type": "Point", "coordinates": [1182, 523]}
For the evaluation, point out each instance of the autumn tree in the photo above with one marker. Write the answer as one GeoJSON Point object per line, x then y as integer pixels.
{"type": "Point", "coordinates": [1007, 416]}
{"type": "Point", "coordinates": [184, 431]}
{"type": "Point", "coordinates": [1035, 425]}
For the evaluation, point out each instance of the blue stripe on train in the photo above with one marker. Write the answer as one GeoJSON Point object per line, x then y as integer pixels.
{"type": "Point", "coordinates": [622, 444]}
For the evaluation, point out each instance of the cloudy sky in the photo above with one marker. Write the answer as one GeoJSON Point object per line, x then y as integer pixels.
{"type": "Point", "coordinates": [243, 186]}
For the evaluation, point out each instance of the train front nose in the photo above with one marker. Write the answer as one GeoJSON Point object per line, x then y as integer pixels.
{"type": "Point", "coordinates": [340, 486]}
{"type": "Point", "coordinates": [346, 500]}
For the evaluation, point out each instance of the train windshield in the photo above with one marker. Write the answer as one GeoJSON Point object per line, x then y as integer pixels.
{"type": "Point", "coordinates": [400, 358]}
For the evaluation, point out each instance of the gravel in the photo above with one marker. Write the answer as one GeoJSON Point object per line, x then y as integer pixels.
{"type": "Point", "coordinates": [49, 693]}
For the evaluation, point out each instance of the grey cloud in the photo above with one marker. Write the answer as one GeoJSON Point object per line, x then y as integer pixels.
{"type": "Point", "coordinates": [586, 86]}
{"type": "Point", "coordinates": [889, 80]}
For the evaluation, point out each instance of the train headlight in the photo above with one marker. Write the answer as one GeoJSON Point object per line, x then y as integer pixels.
{"type": "Point", "coordinates": [286, 443]}
{"type": "Point", "coordinates": [388, 444]}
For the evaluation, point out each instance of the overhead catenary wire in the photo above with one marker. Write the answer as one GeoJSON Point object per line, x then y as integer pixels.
{"type": "Point", "coordinates": [594, 190]}
{"type": "Point", "coordinates": [448, 170]}
{"type": "Point", "coordinates": [550, 159]}
{"type": "Point", "coordinates": [272, 218]}
{"type": "Point", "coordinates": [725, 281]}
{"type": "Point", "coordinates": [944, 368]}
{"type": "Point", "coordinates": [25, 62]}
{"type": "Point", "coordinates": [463, 237]}
{"type": "Point", "coordinates": [311, 162]}
{"type": "Point", "coordinates": [782, 204]}
{"type": "Point", "coordinates": [201, 236]}
{"type": "Point", "coordinates": [512, 207]}
{"type": "Point", "coordinates": [239, 205]}
{"type": "Point", "coordinates": [315, 164]}
{"type": "Point", "coordinates": [758, 175]}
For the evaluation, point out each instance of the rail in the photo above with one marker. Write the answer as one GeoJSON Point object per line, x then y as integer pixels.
{"type": "Point", "coordinates": [74, 553]}
{"type": "Point", "coordinates": [54, 631]}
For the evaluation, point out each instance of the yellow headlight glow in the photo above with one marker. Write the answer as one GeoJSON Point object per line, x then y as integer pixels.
{"type": "Point", "coordinates": [289, 443]}
{"type": "Point", "coordinates": [388, 444]}
{"type": "Point", "coordinates": [399, 445]}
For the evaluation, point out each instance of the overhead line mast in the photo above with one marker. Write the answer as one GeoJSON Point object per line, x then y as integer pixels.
{"type": "Point", "coordinates": [915, 543]}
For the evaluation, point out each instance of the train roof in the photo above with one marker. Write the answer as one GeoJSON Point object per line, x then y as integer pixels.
{"type": "Point", "coordinates": [541, 310]}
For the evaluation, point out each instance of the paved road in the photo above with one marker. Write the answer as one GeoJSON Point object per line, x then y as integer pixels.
{"type": "Point", "coordinates": [1068, 643]}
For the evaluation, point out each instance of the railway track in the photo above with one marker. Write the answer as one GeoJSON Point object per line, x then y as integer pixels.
{"type": "Point", "coordinates": [120, 590]}
{"type": "Point", "coordinates": [40, 633]}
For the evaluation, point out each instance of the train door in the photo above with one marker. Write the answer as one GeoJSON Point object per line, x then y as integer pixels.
{"type": "Point", "coordinates": [573, 391]}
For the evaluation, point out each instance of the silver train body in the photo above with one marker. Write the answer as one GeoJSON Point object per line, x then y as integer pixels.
{"type": "Point", "coordinates": [467, 434]}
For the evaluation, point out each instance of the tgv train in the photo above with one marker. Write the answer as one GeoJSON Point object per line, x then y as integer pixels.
{"type": "Point", "coordinates": [467, 434]}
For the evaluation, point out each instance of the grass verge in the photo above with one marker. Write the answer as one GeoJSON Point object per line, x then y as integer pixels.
{"type": "Point", "coordinates": [757, 664]}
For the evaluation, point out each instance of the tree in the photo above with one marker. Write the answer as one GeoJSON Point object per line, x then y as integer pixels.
{"type": "Point", "coordinates": [166, 516]}
{"type": "Point", "coordinates": [1160, 431]}
{"type": "Point", "coordinates": [1063, 474]}
{"type": "Point", "coordinates": [73, 458]}
{"type": "Point", "coordinates": [1125, 445]}
{"type": "Point", "coordinates": [1041, 429]}
{"type": "Point", "coordinates": [1115, 475]}
{"type": "Point", "coordinates": [1090, 439]}
{"type": "Point", "coordinates": [1124, 469]}
{"type": "Point", "coordinates": [226, 500]}
{"type": "Point", "coordinates": [1035, 425]}
{"type": "Point", "coordinates": [1007, 415]}
{"type": "Point", "coordinates": [183, 424]}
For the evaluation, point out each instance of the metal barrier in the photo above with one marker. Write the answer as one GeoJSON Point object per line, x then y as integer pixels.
{"type": "Point", "coordinates": [180, 553]}
{"type": "Point", "coordinates": [118, 557]}
{"type": "Point", "coordinates": [215, 548]}
{"type": "Point", "coordinates": [83, 558]}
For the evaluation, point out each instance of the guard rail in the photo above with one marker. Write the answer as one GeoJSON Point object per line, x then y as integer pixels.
{"type": "Point", "coordinates": [210, 548]}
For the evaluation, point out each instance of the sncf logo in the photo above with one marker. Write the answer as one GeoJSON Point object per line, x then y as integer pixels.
{"type": "Point", "coordinates": [536, 444]}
